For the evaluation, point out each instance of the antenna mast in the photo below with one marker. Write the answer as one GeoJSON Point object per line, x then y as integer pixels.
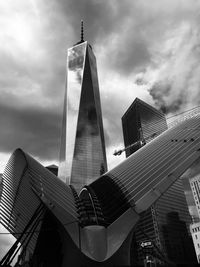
{"type": "Point", "coordinates": [82, 31]}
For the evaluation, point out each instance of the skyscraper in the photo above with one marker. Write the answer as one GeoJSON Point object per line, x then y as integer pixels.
{"type": "Point", "coordinates": [82, 152]}
{"type": "Point", "coordinates": [195, 186]}
{"type": "Point", "coordinates": [141, 122]}
{"type": "Point", "coordinates": [166, 223]}
{"type": "Point", "coordinates": [195, 231]}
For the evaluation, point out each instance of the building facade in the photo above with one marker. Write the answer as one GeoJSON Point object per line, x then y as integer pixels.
{"type": "Point", "coordinates": [141, 122]}
{"type": "Point", "coordinates": [82, 151]}
{"type": "Point", "coordinates": [195, 232]}
{"type": "Point", "coordinates": [195, 186]}
{"type": "Point", "coordinates": [166, 223]}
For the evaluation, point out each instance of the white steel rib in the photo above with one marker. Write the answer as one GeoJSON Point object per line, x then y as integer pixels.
{"type": "Point", "coordinates": [25, 184]}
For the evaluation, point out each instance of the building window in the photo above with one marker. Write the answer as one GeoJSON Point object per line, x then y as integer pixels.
{"type": "Point", "coordinates": [196, 236]}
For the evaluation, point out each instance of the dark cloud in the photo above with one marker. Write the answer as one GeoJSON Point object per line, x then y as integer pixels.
{"type": "Point", "coordinates": [177, 86]}
{"type": "Point", "coordinates": [108, 24]}
{"type": "Point", "coordinates": [18, 75]}
{"type": "Point", "coordinates": [100, 17]}
{"type": "Point", "coordinates": [162, 94]}
{"type": "Point", "coordinates": [35, 131]}
{"type": "Point", "coordinates": [126, 30]}
{"type": "Point", "coordinates": [131, 56]}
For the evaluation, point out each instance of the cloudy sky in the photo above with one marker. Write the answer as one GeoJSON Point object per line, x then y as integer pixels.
{"type": "Point", "coordinates": [145, 49]}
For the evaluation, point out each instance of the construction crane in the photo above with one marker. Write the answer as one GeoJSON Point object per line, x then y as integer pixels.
{"type": "Point", "coordinates": [141, 142]}
{"type": "Point", "coordinates": [135, 144]}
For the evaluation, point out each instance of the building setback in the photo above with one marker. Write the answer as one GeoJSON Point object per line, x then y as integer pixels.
{"type": "Point", "coordinates": [166, 223]}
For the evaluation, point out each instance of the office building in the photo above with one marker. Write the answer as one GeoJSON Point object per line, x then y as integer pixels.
{"type": "Point", "coordinates": [195, 232]}
{"type": "Point", "coordinates": [166, 223]}
{"type": "Point", "coordinates": [195, 186]}
{"type": "Point", "coordinates": [141, 122]}
{"type": "Point", "coordinates": [82, 150]}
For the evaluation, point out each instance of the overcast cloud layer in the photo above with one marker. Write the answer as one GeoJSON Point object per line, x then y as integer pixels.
{"type": "Point", "coordinates": [145, 49]}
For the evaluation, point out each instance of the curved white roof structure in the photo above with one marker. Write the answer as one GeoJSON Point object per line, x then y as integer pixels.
{"type": "Point", "coordinates": [119, 196]}
{"type": "Point", "coordinates": [25, 184]}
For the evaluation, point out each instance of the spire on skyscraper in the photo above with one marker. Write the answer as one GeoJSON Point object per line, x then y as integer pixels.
{"type": "Point", "coordinates": [82, 150]}
{"type": "Point", "coordinates": [82, 31]}
{"type": "Point", "coordinates": [82, 34]}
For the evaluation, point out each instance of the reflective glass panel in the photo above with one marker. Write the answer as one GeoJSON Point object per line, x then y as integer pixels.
{"type": "Point", "coordinates": [84, 159]}
{"type": "Point", "coordinates": [75, 65]}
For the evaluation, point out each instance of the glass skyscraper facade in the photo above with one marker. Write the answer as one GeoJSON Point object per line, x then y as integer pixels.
{"type": "Point", "coordinates": [166, 223]}
{"type": "Point", "coordinates": [82, 151]}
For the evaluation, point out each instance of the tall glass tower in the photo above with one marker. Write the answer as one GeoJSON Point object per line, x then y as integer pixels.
{"type": "Point", "coordinates": [166, 223]}
{"type": "Point", "coordinates": [82, 151]}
